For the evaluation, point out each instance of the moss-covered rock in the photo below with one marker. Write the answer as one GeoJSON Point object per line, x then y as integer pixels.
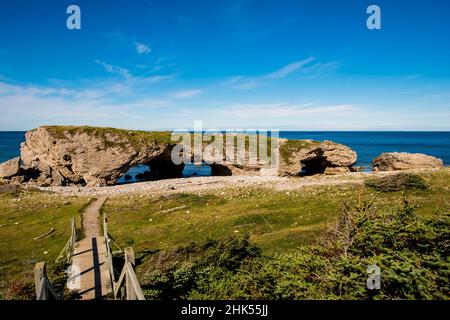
{"type": "Point", "coordinates": [310, 157]}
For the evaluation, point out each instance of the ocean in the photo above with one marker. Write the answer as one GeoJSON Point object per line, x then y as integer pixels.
{"type": "Point", "coordinates": [367, 144]}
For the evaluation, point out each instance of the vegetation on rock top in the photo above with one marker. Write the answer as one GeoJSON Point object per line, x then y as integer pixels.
{"type": "Point", "coordinates": [290, 147]}
{"type": "Point", "coordinates": [135, 137]}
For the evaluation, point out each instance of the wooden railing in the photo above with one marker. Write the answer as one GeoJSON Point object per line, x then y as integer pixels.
{"type": "Point", "coordinates": [127, 287]}
{"type": "Point", "coordinates": [69, 247]}
{"type": "Point", "coordinates": [108, 248]}
{"type": "Point", "coordinates": [44, 288]}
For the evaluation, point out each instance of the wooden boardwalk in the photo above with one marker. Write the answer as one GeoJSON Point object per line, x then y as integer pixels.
{"type": "Point", "coordinates": [91, 272]}
{"type": "Point", "coordinates": [90, 267]}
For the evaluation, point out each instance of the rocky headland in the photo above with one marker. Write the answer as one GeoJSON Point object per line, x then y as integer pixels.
{"type": "Point", "coordinates": [88, 156]}
{"type": "Point", "coordinates": [81, 156]}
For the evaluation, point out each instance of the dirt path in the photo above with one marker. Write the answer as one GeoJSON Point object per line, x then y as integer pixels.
{"type": "Point", "coordinates": [91, 215]}
{"type": "Point", "coordinates": [90, 263]}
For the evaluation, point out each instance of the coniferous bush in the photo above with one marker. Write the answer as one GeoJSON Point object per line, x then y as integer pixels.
{"type": "Point", "coordinates": [410, 250]}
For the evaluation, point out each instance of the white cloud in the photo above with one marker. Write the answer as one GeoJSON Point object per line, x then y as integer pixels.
{"type": "Point", "coordinates": [27, 106]}
{"type": "Point", "coordinates": [243, 83]}
{"type": "Point", "coordinates": [115, 69]}
{"type": "Point", "coordinates": [319, 69]}
{"type": "Point", "coordinates": [142, 48]}
{"type": "Point", "coordinates": [288, 69]}
{"type": "Point", "coordinates": [187, 93]}
{"type": "Point", "coordinates": [132, 80]}
{"type": "Point", "coordinates": [285, 110]}
{"type": "Point", "coordinates": [246, 83]}
{"type": "Point", "coordinates": [156, 78]}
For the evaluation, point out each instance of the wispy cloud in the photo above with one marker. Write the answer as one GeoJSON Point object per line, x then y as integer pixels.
{"type": "Point", "coordinates": [156, 78]}
{"type": "Point", "coordinates": [131, 79]}
{"type": "Point", "coordinates": [142, 48]}
{"type": "Point", "coordinates": [284, 110]}
{"type": "Point", "coordinates": [187, 93]}
{"type": "Point", "coordinates": [288, 69]}
{"type": "Point", "coordinates": [114, 69]}
{"type": "Point", "coordinates": [245, 83]}
{"type": "Point", "coordinates": [26, 106]}
{"type": "Point", "coordinates": [319, 69]}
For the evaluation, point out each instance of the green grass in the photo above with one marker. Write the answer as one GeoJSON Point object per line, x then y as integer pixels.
{"type": "Point", "coordinates": [411, 251]}
{"type": "Point", "coordinates": [293, 146]}
{"type": "Point", "coordinates": [277, 221]}
{"type": "Point", "coordinates": [23, 216]}
{"type": "Point", "coordinates": [135, 137]}
{"type": "Point", "coordinates": [397, 182]}
{"type": "Point", "coordinates": [436, 197]}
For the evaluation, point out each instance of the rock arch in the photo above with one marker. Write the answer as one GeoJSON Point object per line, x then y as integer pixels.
{"type": "Point", "coordinates": [55, 155]}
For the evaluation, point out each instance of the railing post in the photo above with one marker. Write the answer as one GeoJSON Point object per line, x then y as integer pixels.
{"type": "Point", "coordinates": [72, 240]}
{"type": "Point", "coordinates": [108, 250]}
{"type": "Point", "coordinates": [40, 272]}
{"type": "Point", "coordinates": [69, 247]}
{"type": "Point", "coordinates": [129, 263]}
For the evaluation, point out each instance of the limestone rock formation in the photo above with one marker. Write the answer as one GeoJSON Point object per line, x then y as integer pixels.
{"type": "Point", "coordinates": [59, 156]}
{"type": "Point", "coordinates": [10, 168]}
{"type": "Point", "coordinates": [87, 156]}
{"type": "Point", "coordinates": [393, 161]}
{"type": "Point", "coordinates": [310, 157]}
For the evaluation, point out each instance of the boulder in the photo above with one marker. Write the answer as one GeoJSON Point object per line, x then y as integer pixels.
{"type": "Point", "coordinates": [8, 188]}
{"type": "Point", "coordinates": [305, 157]}
{"type": "Point", "coordinates": [393, 161]}
{"type": "Point", "coordinates": [17, 180]}
{"type": "Point", "coordinates": [10, 168]}
{"type": "Point", "coordinates": [57, 179]}
{"type": "Point", "coordinates": [336, 170]}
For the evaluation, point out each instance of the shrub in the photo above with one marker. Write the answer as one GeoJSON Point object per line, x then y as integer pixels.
{"type": "Point", "coordinates": [411, 251]}
{"type": "Point", "coordinates": [196, 266]}
{"type": "Point", "coordinates": [397, 182]}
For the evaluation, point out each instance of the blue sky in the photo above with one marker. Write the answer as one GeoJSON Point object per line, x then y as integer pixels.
{"type": "Point", "coordinates": [289, 65]}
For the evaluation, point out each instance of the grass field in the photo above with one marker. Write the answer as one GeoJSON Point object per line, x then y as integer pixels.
{"type": "Point", "coordinates": [277, 221]}
{"type": "Point", "coordinates": [25, 215]}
